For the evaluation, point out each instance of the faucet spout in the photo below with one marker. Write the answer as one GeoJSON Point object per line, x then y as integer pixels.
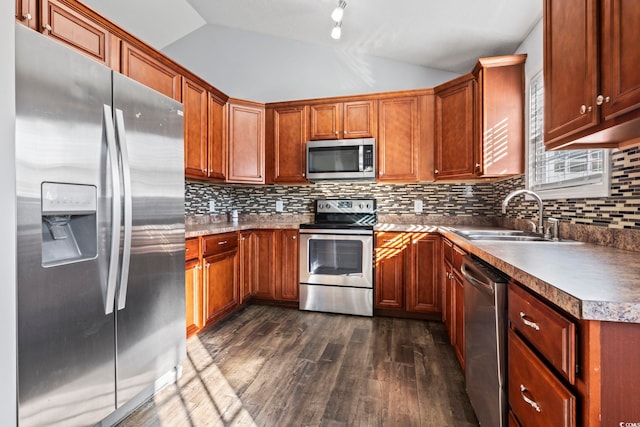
{"type": "Point", "coordinates": [533, 194]}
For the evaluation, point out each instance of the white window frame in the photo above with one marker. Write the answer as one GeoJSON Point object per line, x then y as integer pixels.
{"type": "Point", "coordinates": [598, 187]}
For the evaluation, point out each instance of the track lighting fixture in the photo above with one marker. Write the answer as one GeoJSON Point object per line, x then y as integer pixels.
{"type": "Point", "coordinates": [337, 31]}
{"type": "Point", "coordinates": [338, 12]}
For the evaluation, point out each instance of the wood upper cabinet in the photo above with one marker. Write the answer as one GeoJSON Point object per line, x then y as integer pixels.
{"type": "Point", "coordinates": [217, 137]}
{"type": "Point", "coordinates": [343, 120]}
{"type": "Point", "coordinates": [195, 101]}
{"type": "Point", "coordinates": [398, 139]}
{"type": "Point", "coordinates": [288, 255]}
{"type": "Point", "coordinates": [246, 143]}
{"type": "Point", "coordinates": [71, 27]}
{"type": "Point", "coordinates": [286, 140]}
{"type": "Point", "coordinates": [455, 152]}
{"type": "Point", "coordinates": [150, 71]}
{"type": "Point", "coordinates": [423, 277]}
{"type": "Point", "coordinates": [592, 97]}
{"type": "Point", "coordinates": [27, 13]}
{"type": "Point", "coordinates": [264, 248]}
{"type": "Point", "coordinates": [499, 113]}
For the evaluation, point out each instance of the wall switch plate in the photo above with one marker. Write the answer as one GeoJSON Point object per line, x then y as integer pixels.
{"type": "Point", "coordinates": [279, 206]}
{"type": "Point", "coordinates": [212, 206]}
{"type": "Point", "coordinates": [418, 206]}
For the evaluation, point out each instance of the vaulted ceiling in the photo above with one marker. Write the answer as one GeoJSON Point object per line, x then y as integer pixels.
{"type": "Point", "coordinates": [443, 34]}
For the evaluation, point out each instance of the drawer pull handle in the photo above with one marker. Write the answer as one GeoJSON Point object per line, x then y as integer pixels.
{"type": "Point", "coordinates": [528, 322]}
{"type": "Point", "coordinates": [531, 402]}
{"type": "Point", "coordinates": [224, 242]}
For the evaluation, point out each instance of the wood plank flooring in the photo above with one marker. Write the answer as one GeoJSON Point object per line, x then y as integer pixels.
{"type": "Point", "coordinates": [271, 366]}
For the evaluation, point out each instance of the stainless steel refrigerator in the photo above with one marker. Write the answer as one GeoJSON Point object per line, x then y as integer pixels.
{"type": "Point", "coordinates": [100, 206]}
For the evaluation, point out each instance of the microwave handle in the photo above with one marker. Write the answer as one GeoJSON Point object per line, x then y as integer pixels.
{"type": "Point", "coordinates": [361, 158]}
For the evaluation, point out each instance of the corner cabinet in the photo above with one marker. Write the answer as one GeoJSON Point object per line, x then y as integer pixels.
{"type": "Point", "coordinates": [246, 143]}
{"type": "Point", "coordinates": [456, 155]}
{"type": "Point", "coordinates": [286, 137]}
{"type": "Point", "coordinates": [407, 274]}
{"type": "Point", "coordinates": [343, 120]}
{"type": "Point", "coordinates": [592, 96]}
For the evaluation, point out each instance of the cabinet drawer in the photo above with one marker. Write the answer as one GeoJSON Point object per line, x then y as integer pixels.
{"type": "Point", "coordinates": [191, 249]}
{"type": "Point", "coordinates": [391, 240]}
{"type": "Point", "coordinates": [536, 396]}
{"type": "Point", "coordinates": [219, 243]}
{"type": "Point", "coordinates": [550, 333]}
{"type": "Point", "coordinates": [457, 257]}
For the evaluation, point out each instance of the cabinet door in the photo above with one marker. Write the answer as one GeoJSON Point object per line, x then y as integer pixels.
{"type": "Point", "coordinates": [359, 119]}
{"type": "Point", "coordinates": [398, 139]}
{"type": "Point", "coordinates": [447, 301]}
{"type": "Point", "coordinates": [217, 130]}
{"type": "Point", "coordinates": [149, 71]}
{"type": "Point", "coordinates": [570, 67]}
{"type": "Point", "coordinates": [423, 282]}
{"type": "Point", "coordinates": [620, 57]}
{"type": "Point", "coordinates": [458, 318]}
{"type": "Point", "coordinates": [455, 153]}
{"type": "Point", "coordinates": [246, 144]}
{"type": "Point", "coordinates": [246, 265]}
{"type": "Point", "coordinates": [70, 27]}
{"type": "Point", "coordinates": [193, 295]}
{"type": "Point", "coordinates": [26, 13]}
{"type": "Point", "coordinates": [390, 269]}
{"type": "Point", "coordinates": [220, 284]}
{"type": "Point", "coordinates": [326, 120]}
{"type": "Point", "coordinates": [288, 274]}
{"type": "Point", "coordinates": [264, 242]}
{"type": "Point", "coordinates": [289, 144]}
{"type": "Point", "coordinates": [194, 99]}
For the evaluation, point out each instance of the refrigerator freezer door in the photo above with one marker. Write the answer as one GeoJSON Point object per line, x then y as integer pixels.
{"type": "Point", "coordinates": [151, 311]}
{"type": "Point", "coordinates": [65, 340]}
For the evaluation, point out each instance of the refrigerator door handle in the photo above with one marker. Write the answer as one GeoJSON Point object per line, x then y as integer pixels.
{"type": "Point", "coordinates": [128, 209]}
{"type": "Point", "coordinates": [116, 209]}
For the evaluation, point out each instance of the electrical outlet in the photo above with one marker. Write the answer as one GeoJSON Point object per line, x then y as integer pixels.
{"type": "Point", "coordinates": [418, 206]}
{"type": "Point", "coordinates": [212, 206]}
{"type": "Point", "coordinates": [279, 206]}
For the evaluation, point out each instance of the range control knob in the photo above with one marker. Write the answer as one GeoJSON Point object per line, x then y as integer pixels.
{"type": "Point", "coordinates": [361, 206]}
{"type": "Point", "coordinates": [368, 206]}
{"type": "Point", "coordinates": [320, 205]}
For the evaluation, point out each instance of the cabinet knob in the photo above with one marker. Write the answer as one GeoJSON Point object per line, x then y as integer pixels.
{"type": "Point", "coordinates": [436, 171]}
{"type": "Point", "coordinates": [345, 132]}
{"type": "Point", "coordinates": [293, 237]}
{"type": "Point", "coordinates": [584, 109]}
{"type": "Point", "coordinates": [304, 174]}
{"type": "Point", "coordinates": [27, 16]}
{"type": "Point", "coordinates": [477, 165]}
{"type": "Point", "coordinates": [601, 99]}
{"type": "Point", "coordinates": [336, 132]}
{"type": "Point", "coordinates": [198, 267]}
{"type": "Point", "coordinates": [207, 265]}
{"type": "Point", "coordinates": [46, 27]}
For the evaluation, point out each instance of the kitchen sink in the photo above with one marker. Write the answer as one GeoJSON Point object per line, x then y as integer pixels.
{"type": "Point", "coordinates": [506, 236]}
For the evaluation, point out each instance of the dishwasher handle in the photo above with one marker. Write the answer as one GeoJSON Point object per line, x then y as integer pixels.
{"type": "Point", "coordinates": [474, 276]}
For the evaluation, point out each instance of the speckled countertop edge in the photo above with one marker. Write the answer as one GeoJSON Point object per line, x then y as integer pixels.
{"type": "Point", "coordinates": [550, 270]}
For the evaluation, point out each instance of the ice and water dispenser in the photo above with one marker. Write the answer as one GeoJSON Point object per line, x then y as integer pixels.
{"type": "Point", "coordinates": [69, 223]}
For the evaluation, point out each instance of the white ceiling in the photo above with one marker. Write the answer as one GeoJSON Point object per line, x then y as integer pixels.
{"type": "Point", "coordinates": [442, 34]}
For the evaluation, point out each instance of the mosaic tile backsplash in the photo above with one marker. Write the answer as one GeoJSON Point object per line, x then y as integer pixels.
{"type": "Point", "coordinates": [620, 210]}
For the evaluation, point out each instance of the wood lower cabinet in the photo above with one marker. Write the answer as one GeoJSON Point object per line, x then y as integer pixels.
{"type": "Point", "coordinates": [246, 143]}
{"type": "Point", "coordinates": [276, 265]}
{"type": "Point", "coordinates": [407, 273]}
{"type": "Point", "coordinates": [195, 101]}
{"type": "Point", "coordinates": [287, 134]}
{"type": "Point", "coordinates": [343, 120]}
{"type": "Point", "coordinates": [264, 248]}
{"type": "Point", "coordinates": [193, 286]}
{"type": "Point", "coordinates": [220, 266]}
{"type": "Point", "coordinates": [66, 24]}
{"type": "Point", "coordinates": [457, 312]}
{"type": "Point", "coordinates": [398, 141]}
{"type": "Point", "coordinates": [149, 70]}
{"type": "Point", "coordinates": [455, 152]}
{"type": "Point", "coordinates": [287, 279]}
{"type": "Point", "coordinates": [453, 297]}
{"type": "Point", "coordinates": [247, 262]}
{"type": "Point", "coordinates": [592, 97]}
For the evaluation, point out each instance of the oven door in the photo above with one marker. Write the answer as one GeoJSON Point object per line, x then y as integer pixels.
{"type": "Point", "coordinates": [336, 257]}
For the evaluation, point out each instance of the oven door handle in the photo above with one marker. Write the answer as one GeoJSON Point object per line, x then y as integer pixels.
{"type": "Point", "coordinates": [332, 231]}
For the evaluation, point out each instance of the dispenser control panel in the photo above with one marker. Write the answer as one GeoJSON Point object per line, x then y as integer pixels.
{"type": "Point", "coordinates": [58, 198]}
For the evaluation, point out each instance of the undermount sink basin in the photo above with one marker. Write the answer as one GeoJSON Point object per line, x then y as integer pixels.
{"type": "Point", "coordinates": [506, 236]}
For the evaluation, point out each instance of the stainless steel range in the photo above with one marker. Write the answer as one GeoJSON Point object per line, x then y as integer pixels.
{"type": "Point", "coordinates": [336, 257]}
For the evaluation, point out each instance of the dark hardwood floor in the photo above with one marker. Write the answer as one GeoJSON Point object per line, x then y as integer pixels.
{"type": "Point", "coordinates": [271, 366]}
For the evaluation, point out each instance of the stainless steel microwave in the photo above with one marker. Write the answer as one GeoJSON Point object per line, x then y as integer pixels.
{"type": "Point", "coordinates": [341, 159]}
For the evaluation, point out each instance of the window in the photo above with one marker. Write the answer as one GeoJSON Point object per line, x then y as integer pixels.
{"type": "Point", "coordinates": [562, 174]}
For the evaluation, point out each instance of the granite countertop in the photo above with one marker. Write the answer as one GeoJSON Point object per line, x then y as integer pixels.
{"type": "Point", "coordinates": [588, 281]}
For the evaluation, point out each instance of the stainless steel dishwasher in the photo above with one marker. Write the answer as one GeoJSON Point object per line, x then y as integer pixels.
{"type": "Point", "coordinates": [485, 296]}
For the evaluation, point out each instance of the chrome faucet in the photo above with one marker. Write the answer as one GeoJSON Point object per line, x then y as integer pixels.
{"type": "Point", "coordinates": [511, 195]}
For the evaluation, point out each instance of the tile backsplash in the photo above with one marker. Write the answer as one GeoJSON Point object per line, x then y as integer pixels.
{"type": "Point", "coordinates": [478, 199]}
